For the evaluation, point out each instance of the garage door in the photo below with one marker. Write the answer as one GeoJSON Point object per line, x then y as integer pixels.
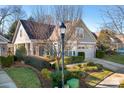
{"type": "Point", "coordinates": [89, 53]}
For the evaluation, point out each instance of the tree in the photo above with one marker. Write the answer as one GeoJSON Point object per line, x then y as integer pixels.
{"type": "Point", "coordinates": [10, 14]}
{"type": "Point", "coordinates": [115, 19]}
{"type": "Point", "coordinates": [40, 15]}
{"type": "Point", "coordinates": [11, 31]}
{"type": "Point", "coordinates": [67, 12]}
{"type": "Point", "coordinates": [103, 39]}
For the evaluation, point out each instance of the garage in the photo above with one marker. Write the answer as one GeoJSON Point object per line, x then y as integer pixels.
{"type": "Point", "coordinates": [89, 51]}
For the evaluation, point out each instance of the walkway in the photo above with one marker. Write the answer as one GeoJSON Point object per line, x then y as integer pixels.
{"type": "Point", "coordinates": [5, 80]}
{"type": "Point", "coordinates": [114, 80]}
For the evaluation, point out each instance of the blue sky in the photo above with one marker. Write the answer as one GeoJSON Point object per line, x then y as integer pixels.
{"type": "Point", "coordinates": [92, 15]}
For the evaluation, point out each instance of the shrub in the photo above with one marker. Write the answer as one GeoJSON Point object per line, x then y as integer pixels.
{"type": "Point", "coordinates": [57, 77]}
{"type": "Point", "coordinates": [100, 54]}
{"type": "Point", "coordinates": [46, 73]}
{"type": "Point", "coordinates": [72, 59]}
{"type": "Point", "coordinates": [78, 74]}
{"type": "Point", "coordinates": [99, 66]}
{"type": "Point", "coordinates": [20, 53]}
{"type": "Point", "coordinates": [67, 59]}
{"type": "Point", "coordinates": [81, 54]}
{"type": "Point", "coordinates": [90, 64]}
{"type": "Point", "coordinates": [77, 59]}
{"type": "Point", "coordinates": [7, 61]}
{"type": "Point", "coordinates": [37, 62]}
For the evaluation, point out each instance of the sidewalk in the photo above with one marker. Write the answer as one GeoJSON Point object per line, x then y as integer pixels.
{"type": "Point", "coordinates": [5, 80]}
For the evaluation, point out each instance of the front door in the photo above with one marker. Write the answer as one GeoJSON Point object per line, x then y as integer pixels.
{"type": "Point", "coordinates": [41, 51]}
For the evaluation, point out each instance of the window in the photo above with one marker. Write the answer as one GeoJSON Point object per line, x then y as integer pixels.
{"type": "Point", "coordinates": [66, 53]}
{"type": "Point", "coordinates": [73, 53]}
{"type": "Point", "coordinates": [79, 32]}
{"type": "Point", "coordinates": [20, 33]}
{"type": "Point", "coordinates": [70, 53]}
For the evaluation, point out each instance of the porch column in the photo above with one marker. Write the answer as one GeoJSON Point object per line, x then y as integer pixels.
{"type": "Point", "coordinates": [31, 49]}
{"type": "Point", "coordinates": [37, 50]}
{"type": "Point", "coordinates": [26, 47]}
{"type": "Point", "coordinates": [14, 49]}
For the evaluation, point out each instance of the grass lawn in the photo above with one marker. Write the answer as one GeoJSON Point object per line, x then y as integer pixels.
{"type": "Point", "coordinates": [24, 77]}
{"type": "Point", "coordinates": [95, 77]}
{"type": "Point", "coordinates": [115, 58]}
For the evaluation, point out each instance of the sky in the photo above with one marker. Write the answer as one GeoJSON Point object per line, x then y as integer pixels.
{"type": "Point", "coordinates": [92, 15]}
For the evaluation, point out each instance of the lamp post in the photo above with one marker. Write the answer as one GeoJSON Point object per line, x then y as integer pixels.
{"type": "Point", "coordinates": [62, 31]}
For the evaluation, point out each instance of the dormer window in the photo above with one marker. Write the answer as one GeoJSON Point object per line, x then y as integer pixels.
{"type": "Point", "coordinates": [20, 33]}
{"type": "Point", "coordinates": [79, 33]}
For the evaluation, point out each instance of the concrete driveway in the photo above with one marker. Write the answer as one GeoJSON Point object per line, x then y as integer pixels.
{"type": "Point", "coordinates": [108, 64]}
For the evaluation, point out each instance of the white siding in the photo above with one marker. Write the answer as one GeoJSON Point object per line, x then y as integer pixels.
{"type": "Point", "coordinates": [24, 38]}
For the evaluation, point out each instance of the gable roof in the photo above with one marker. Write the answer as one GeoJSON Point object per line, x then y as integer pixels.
{"type": "Point", "coordinates": [35, 30]}
{"type": "Point", "coordinates": [80, 23]}
{"type": "Point", "coordinates": [71, 27]}
{"type": "Point", "coordinates": [3, 39]}
{"type": "Point", "coordinates": [111, 36]}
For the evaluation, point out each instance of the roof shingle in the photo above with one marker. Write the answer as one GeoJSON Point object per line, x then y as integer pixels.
{"type": "Point", "coordinates": [37, 30]}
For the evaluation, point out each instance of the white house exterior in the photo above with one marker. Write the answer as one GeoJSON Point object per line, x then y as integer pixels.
{"type": "Point", "coordinates": [33, 35]}
{"type": "Point", "coordinates": [82, 40]}
{"type": "Point", "coordinates": [3, 46]}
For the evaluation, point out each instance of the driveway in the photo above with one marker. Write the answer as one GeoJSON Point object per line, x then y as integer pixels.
{"type": "Point", "coordinates": [113, 80]}
{"type": "Point", "coordinates": [5, 80]}
{"type": "Point", "coordinates": [108, 64]}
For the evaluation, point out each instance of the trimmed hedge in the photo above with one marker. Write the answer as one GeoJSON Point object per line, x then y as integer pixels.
{"type": "Point", "coordinates": [6, 61]}
{"type": "Point", "coordinates": [81, 54]}
{"type": "Point", "coordinates": [72, 59]}
{"type": "Point", "coordinates": [100, 54]}
{"type": "Point", "coordinates": [37, 62]}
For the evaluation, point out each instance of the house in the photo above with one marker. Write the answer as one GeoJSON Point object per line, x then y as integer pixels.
{"type": "Point", "coordinates": [113, 40]}
{"type": "Point", "coordinates": [3, 46]}
{"type": "Point", "coordinates": [81, 39]}
{"type": "Point", "coordinates": [36, 36]}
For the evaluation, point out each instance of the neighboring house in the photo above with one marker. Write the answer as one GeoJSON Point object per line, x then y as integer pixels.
{"type": "Point", "coordinates": [3, 46]}
{"type": "Point", "coordinates": [121, 37]}
{"type": "Point", "coordinates": [110, 38]}
{"type": "Point", "coordinates": [34, 37]}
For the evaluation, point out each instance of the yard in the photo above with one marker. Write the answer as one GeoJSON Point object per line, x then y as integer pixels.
{"type": "Point", "coordinates": [24, 77]}
{"type": "Point", "coordinates": [94, 76]}
{"type": "Point", "coordinates": [115, 58]}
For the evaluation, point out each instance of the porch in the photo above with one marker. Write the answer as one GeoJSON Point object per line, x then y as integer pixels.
{"type": "Point", "coordinates": [34, 49]}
